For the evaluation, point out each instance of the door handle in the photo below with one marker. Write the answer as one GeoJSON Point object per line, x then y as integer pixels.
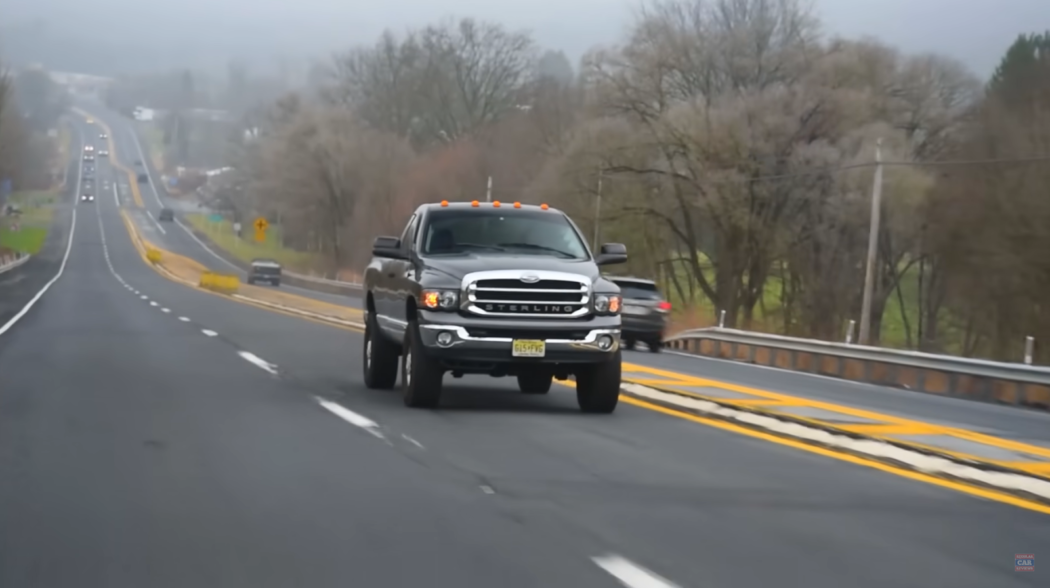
{"type": "Point", "coordinates": [391, 274]}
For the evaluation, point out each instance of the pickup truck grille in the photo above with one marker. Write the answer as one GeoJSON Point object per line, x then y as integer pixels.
{"type": "Point", "coordinates": [546, 297]}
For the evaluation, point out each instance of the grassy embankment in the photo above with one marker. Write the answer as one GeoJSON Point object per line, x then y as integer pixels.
{"type": "Point", "coordinates": [37, 207]}
{"type": "Point", "coordinates": [221, 233]}
{"type": "Point", "coordinates": [769, 313]}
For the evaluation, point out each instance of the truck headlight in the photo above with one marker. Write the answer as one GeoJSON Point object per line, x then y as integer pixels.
{"type": "Point", "coordinates": [440, 299]}
{"type": "Point", "coordinates": [607, 303]}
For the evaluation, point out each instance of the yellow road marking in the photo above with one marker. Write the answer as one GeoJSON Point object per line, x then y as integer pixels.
{"type": "Point", "coordinates": [883, 430]}
{"type": "Point", "coordinates": [997, 442]}
{"type": "Point", "coordinates": [846, 457]}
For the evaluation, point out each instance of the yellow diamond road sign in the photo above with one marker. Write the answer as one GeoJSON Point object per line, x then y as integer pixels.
{"type": "Point", "coordinates": [261, 224]}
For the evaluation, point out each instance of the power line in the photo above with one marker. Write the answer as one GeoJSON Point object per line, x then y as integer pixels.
{"type": "Point", "coordinates": [871, 164]}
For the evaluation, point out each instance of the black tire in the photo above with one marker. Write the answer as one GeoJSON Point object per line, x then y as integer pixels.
{"type": "Point", "coordinates": [535, 383]}
{"type": "Point", "coordinates": [627, 344]}
{"type": "Point", "coordinates": [656, 345]}
{"type": "Point", "coordinates": [420, 375]}
{"type": "Point", "coordinates": [378, 358]}
{"type": "Point", "coordinates": [598, 386]}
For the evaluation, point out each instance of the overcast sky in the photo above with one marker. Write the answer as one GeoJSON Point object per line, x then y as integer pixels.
{"type": "Point", "coordinates": [973, 31]}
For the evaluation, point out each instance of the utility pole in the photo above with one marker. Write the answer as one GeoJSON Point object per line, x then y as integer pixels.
{"type": "Point", "coordinates": [873, 249]}
{"type": "Point", "coordinates": [488, 191]}
{"type": "Point", "coordinates": [598, 209]}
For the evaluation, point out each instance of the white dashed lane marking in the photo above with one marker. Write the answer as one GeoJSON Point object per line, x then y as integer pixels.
{"type": "Point", "coordinates": [631, 574]}
{"type": "Point", "coordinates": [184, 319]}
{"type": "Point", "coordinates": [355, 419]}
{"type": "Point", "coordinates": [209, 332]}
{"type": "Point", "coordinates": [258, 361]}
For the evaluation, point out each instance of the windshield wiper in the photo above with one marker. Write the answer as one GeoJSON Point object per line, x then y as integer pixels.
{"type": "Point", "coordinates": [539, 248]}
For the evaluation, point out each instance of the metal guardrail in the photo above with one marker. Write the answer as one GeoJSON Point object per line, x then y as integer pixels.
{"type": "Point", "coordinates": [10, 262]}
{"type": "Point", "coordinates": [975, 379]}
{"type": "Point", "coordinates": [326, 281]}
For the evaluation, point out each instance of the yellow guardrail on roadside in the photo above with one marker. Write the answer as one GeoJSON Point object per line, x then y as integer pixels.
{"type": "Point", "coordinates": [222, 283]}
{"type": "Point", "coordinates": [153, 255]}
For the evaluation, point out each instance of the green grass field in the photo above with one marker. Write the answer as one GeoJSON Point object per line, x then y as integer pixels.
{"type": "Point", "coordinates": [33, 224]}
{"type": "Point", "coordinates": [248, 249]}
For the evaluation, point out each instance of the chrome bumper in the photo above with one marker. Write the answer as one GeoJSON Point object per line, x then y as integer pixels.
{"type": "Point", "coordinates": [462, 343]}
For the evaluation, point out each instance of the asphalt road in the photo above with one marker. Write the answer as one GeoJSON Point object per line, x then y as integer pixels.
{"type": "Point", "coordinates": [1008, 422]}
{"type": "Point", "coordinates": [145, 442]}
{"type": "Point", "coordinates": [177, 237]}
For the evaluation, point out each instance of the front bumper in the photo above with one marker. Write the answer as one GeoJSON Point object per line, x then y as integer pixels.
{"type": "Point", "coordinates": [488, 342]}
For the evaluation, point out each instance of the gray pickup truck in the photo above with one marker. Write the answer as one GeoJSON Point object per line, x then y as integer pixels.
{"type": "Point", "coordinates": [501, 290]}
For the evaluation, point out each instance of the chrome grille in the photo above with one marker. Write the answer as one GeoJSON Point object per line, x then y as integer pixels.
{"type": "Point", "coordinates": [504, 293]}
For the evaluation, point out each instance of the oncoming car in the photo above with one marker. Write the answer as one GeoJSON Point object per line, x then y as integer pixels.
{"type": "Point", "coordinates": [264, 270]}
{"type": "Point", "coordinates": [87, 198]}
{"type": "Point", "coordinates": [103, 153]}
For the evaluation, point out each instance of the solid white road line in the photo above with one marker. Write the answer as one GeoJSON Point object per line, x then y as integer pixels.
{"type": "Point", "coordinates": [631, 574]}
{"type": "Point", "coordinates": [69, 247]}
{"type": "Point", "coordinates": [150, 215]}
{"type": "Point", "coordinates": [351, 417]}
{"type": "Point", "coordinates": [209, 332]}
{"type": "Point", "coordinates": [258, 361]}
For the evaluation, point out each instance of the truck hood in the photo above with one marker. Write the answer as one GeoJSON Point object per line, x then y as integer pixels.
{"type": "Point", "coordinates": [460, 265]}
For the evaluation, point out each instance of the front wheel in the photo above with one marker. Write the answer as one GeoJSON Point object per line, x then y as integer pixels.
{"type": "Point", "coordinates": [534, 383]}
{"type": "Point", "coordinates": [598, 386]}
{"type": "Point", "coordinates": [379, 357]}
{"type": "Point", "coordinates": [420, 375]}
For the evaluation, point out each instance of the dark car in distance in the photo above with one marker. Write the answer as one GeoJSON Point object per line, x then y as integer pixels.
{"type": "Point", "coordinates": [645, 312]}
{"type": "Point", "coordinates": [264, 270]}
{"type": "Point", "coordinates": [492, 289]}
{"type": "Point", "coordinates": [166, 215]}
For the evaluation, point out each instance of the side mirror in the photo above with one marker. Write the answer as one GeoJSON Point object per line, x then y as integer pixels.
{"type": "Point", "coordinates": [387, 247]}
{"type": "Point", "coordinates": [612, 254]}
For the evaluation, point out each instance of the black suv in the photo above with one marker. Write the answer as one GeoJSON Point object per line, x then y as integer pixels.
{"type": "Point", "coordinates": [166, 215]}
{"type": "Point", "coordinates": [645, 312]}
{"type": "Point", "coordinates": [502, 290]}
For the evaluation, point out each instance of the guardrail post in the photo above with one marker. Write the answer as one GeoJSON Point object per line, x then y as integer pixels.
{"type": "Point", "coordinates": [1029, 349]}
{"type": "Point", "coordinates": [849, 332]}
{"type": "Point", "coordinates": [722, 319]}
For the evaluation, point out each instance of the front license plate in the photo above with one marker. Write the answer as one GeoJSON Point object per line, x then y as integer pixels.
{"type": "Point", "coordinates": [528, 348]}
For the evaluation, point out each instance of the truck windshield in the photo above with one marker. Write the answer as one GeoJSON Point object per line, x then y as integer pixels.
{"type": "Point", "coordinates": [524, 232]}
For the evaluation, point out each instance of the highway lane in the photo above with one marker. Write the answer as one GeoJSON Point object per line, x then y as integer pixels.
{"type": "Point", "coordinates": [177, 237]}
{"type": "Point", "coordinates": [1007, 422]}
{"type": "Point", "coordinates": [135, 450]}
{"type": "Point", "coordinates": [697, 505]}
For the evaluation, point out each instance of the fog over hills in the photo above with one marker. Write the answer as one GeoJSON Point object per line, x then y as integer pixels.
{"type": "Point", "coordinates": [115, 36]}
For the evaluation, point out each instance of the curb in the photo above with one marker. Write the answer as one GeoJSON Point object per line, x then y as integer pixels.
{"type": "Point", "coordinates": [8, 263]}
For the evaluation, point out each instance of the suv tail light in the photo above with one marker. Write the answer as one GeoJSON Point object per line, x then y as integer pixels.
{"type": "Point", "coordinates": [664, 306]}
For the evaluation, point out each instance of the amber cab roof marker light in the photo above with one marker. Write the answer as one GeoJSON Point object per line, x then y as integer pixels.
{"type": "Point", "coordinates": [444, 203]}
{"type": "Point", "coordinates": [495, 204]}
{"type": "Point", "coordinates": [475, 204]}
{"type": "Point", "coordinates": [517, 205]}
{"type": "Point", "coordinates": [544, 207]}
